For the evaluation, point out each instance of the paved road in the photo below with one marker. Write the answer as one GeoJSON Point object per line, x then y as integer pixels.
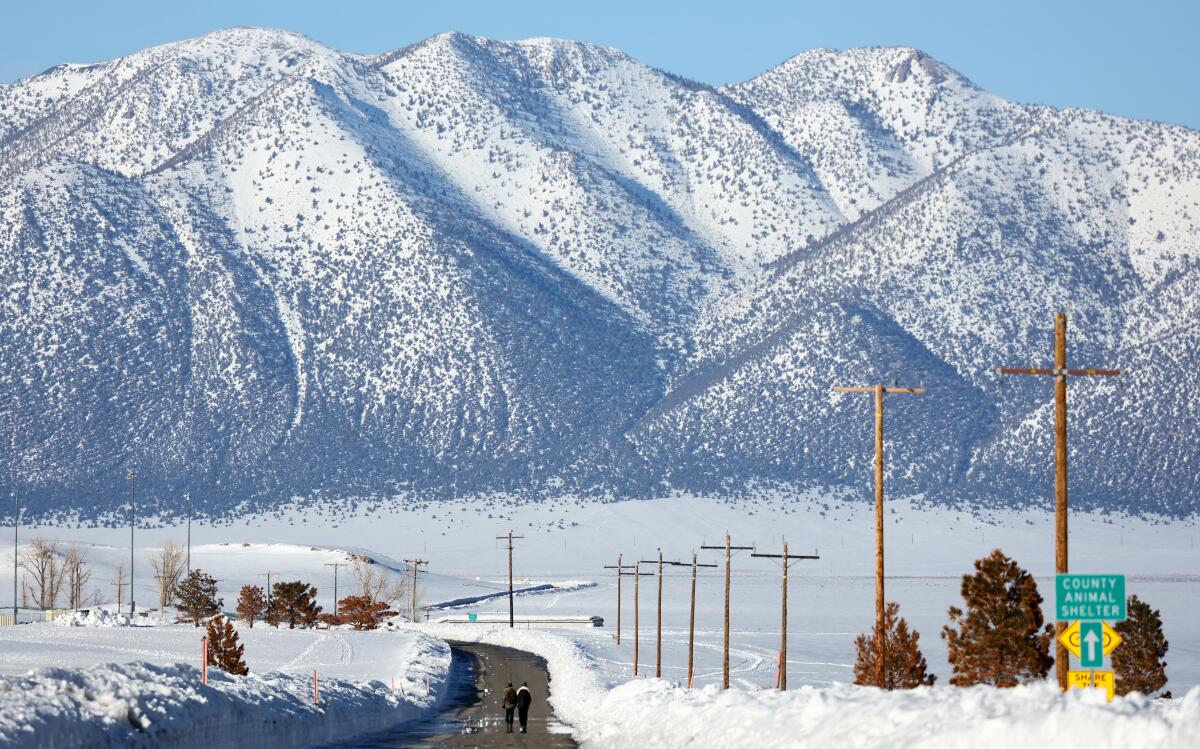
{"type": "Point", "coordinates": [473, 717]}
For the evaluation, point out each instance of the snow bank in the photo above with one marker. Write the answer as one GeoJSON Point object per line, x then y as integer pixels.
{"type": "Point", "coordinates": [143, 704]}
{"type": "Point", "coordinates": [654, 712]}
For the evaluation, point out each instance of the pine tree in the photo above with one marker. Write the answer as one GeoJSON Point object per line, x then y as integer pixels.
{"type": "Point", "coordinates": [251, 605]}
{"type": "Point", "coordinates": [904, 666]}
{"type": "Point", "coordinates": [197, 597]}
{"type": "Point", "coordinates": [1138, 663]}
{"type": "Point", "coordinates": [294, 603]}
{"type": "Point", "coordinates": [225, 649]}
{"type": "Point", "coordinates": [1000, 640]}
{"type": "Point", "coordinates": [362, 613]}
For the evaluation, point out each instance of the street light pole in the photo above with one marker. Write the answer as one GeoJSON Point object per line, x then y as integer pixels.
{"type": "Point", "coordinates": [132, 476]}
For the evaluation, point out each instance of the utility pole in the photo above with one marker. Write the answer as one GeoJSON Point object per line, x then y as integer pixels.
{"type": "Point", "coordinates": [879, 391]}
{"type": "Point", "coordinates": [510, 538]}
{"type": "Point", "coordinates": [620, 571]}
{"type": "Point", "coordinates": [188, 497]}
{"type": "Point", "coordinates": [785, 562]}
{"type": "Point", "coordinates": [17, 547]}
{"type": "Point", "coordinates": [416, 564]}
{"type": "Point", "coordinates": [268, 576]}
{"type": "Point", "coordinates": [658, 637]}
{"type": "Point", "coordinates": [132, 476]}
{"type": "Point", "coordinates": [1060, 374]}
{"type": "Point", "coordinates": [335, 566]}
{"type": "Point", "coordinates": [637, 626]}
{"type": "Point", "coordinates": [729, 549]}
{"type": "Point", "coordinates": [692, 617]}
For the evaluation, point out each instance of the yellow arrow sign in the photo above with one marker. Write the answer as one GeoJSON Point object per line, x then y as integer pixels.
{"type": "Point", "coordinates": [1069, 639]}
{"type": "Point", "coordinates": [1112, 638]}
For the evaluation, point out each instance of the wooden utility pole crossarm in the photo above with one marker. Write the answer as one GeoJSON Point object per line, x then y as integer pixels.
{"type": "Point", "coordinates": [1060, 373]}
{"type": "Point", "coordinates": [729, 549]}
{"type": "Point", "coordinates": [510, 538]}
{"type": "Point", "coordinates": [691, 667]}
{"type": "Point", "coordinates": [879, 391]}
{"type": "Point", "coordinates": [785, 561]}
{"type": "Point", "coordinates": [620, 568]}
{"type": "Point", "coordinates": [416, 565]}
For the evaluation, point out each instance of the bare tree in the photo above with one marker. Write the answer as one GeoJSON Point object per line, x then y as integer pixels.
{"type": "Point", "coordinates": [77, 575]}
{"type": "Point", "coordinates": [168, 565]}
{"type": "Point", "coordinates": [377, 582]}
{"type": "Point", "coordinates": [41, 559]}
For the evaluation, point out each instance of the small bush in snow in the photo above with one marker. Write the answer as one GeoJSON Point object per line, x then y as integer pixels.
{"type": "Point", "coordinates": [904, 666]}
{"type": "Point", "coordinates": [225, 649]}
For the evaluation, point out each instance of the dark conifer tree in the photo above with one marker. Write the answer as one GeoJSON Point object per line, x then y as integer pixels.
{"type": "Point", "coordinates": [1138, 663]}
{"type": "Point", "coordinates": [197, 597]}
{"type": "Point", "coordinates": [1000, 639]}
{"type": "Point", "coordinates": [293, 603]}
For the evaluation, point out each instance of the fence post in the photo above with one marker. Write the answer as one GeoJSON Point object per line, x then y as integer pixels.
{"type": "Point", "coordinates": [316, 693]}
{"type": "Point", "coordinates": [204, 660]}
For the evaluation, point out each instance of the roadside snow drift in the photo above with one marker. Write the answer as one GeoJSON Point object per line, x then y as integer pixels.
{"type": "Point", "coordinates": [654, 712]}
{"type": "Point", "coordinates": [164, 705]}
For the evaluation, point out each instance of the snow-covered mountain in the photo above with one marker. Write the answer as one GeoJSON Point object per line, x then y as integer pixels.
{"type": "Point", "coordinates": [255, 267]}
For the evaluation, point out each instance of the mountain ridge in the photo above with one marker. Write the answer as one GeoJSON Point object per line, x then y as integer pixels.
{"type": "Point", "coordinates": [256, 267]}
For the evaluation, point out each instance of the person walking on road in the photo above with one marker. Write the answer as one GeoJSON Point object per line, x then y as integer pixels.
{"type": "Point", "coordinates": [524, 700]}
{"type": "Point", "coordinates": [510, 704]}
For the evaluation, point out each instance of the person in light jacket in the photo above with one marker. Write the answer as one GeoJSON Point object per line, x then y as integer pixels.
{"type": "Point", "coordinates": [510, 704]}
{"type": "Point", "coordinates": [524, 700]}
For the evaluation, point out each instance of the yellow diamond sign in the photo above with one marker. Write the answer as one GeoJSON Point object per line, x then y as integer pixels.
{"type": "Point", "coordinates": [1112, 638]}
{"type": "Point", "coordinates": [1069, 639]}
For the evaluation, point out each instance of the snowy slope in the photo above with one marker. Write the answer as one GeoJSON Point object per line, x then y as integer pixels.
{"type": "Point", "coordinates": [255, 267]}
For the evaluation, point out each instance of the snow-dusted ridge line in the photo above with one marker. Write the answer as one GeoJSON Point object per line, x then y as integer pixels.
{"type": "Point", "coordinates": [413, 273]}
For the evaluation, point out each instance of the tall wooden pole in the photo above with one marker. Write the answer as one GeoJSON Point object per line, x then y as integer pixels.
{"type": "Point", "coordinates": [637, 625]}
{"type": "Point", "coordinates": [1062, 660]}
{"type": "Point", "coordinates": [416, 566]}
{"type": "Point", "coordinates": [729, 549]}
{"type": "Point", "coordinates": [691, 626]}
{"type": "Point", "coordinates": [725, 654]}
{"type": "Point", "coordinates": [785, 558]}
{"type": "Point", "coordinates": [510, 538]}
{"type": "Point", "coordinates": [880, 603]}
{"type": "Point", "coordinates": [1060, 372]}
{"type": "Point", "coordinates": [691, 667]}
{"type": "Point", "coordinates": [658, 638]}
{"type": "Point", "coordinates": [620, 567]}
{"type": "Point", "coordinates": [880, 640]}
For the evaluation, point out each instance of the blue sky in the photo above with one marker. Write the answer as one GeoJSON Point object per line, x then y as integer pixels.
{"type": "Point", "coordinates": [1136, 59]}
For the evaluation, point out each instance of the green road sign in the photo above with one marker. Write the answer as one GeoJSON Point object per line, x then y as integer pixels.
{"type": "Point", "coordinates": [1091, 645]}
{"type": "Point", "coordinates": [1090, 597]}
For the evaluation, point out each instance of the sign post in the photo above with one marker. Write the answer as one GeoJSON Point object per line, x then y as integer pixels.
{"type": "Point", "coordinates": [1088, 602]}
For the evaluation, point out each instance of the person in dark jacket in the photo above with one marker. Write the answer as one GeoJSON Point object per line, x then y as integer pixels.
{"type": "Point", "coordinates": [510, 704]}
{"type": "Point", "coordinates": [524, 700]}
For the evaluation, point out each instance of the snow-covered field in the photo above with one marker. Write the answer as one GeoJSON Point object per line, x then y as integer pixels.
{"type": "Point", "coordinates": [140, 686]}
{"type": "Point", "coordinates": [568, 543]}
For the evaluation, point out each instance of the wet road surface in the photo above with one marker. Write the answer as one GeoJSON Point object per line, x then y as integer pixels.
{"type": "Point", "coordinates": [473, 716]}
